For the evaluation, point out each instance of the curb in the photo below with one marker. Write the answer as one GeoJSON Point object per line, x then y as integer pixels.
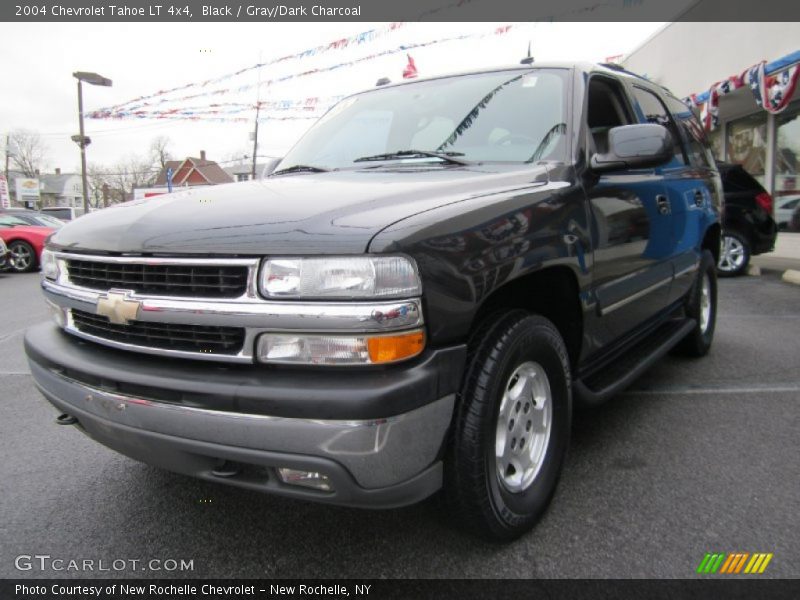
{"type": "Point", "coordinates": [791, 276]}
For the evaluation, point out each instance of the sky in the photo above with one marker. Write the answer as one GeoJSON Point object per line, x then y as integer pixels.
{"type": "Point", "coordinates": [40, 93]}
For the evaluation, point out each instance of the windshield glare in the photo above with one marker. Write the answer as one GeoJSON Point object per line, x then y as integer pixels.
{"type": "Point", "coordinates": [509, 116]}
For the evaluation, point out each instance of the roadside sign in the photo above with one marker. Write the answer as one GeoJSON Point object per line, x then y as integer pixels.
{"type": "Point", "coordinates": [5, 199]}
{"type": "Point", "coordinates": [27, 191]}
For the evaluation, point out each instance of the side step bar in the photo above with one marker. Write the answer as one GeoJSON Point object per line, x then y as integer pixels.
{"type": "Point", "coordinates": [599, 387]}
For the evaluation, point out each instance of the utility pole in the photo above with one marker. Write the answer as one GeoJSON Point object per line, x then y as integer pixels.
{"type": "Point", "coordinates": [258, 110]}
{"type": "Point", "coordinates": [8, 152]}
{"type": "Point", "coordinates": [255, 141]}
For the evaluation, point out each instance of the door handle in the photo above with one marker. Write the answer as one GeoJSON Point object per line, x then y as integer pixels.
{"type": "Point", "coordinates": [664, 207]}
{"type": "Point", "coordinates": [699, 197]}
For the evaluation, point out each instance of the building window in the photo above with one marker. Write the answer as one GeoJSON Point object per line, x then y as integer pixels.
{"type": "Point", "coordinates": [747, 144]}
{"type": "Point", "coordinates": [787, 155]}
{"type": "Point", "coordinates": [242, 176]}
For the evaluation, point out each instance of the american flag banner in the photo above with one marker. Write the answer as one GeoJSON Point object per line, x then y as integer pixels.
{"type": "Point", "coordinates": [772, 92]}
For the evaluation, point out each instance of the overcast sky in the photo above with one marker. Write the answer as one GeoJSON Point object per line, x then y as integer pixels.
{"type": "Point", "coordinates": [39, 92]}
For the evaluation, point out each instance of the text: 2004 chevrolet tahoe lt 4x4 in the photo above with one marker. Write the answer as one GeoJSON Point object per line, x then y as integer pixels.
{"type": "Point", "coordinates": [412, 301]}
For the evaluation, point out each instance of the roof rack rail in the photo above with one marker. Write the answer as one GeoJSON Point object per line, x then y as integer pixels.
{"type": "Point", "coordinates": [621, 69]}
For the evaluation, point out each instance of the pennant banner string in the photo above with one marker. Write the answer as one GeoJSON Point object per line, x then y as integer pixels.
{"type": "Point", "coordinates": [120, 112]}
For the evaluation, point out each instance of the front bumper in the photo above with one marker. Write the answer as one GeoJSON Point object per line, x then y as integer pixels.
{"type": "Point", "coordinates": [372, 461]}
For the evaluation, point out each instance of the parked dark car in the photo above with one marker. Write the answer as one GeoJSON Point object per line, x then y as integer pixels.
{"type": "Point", "coordinates": [748, 227]}
{"type": "Point", "coordinates": [411, 302]}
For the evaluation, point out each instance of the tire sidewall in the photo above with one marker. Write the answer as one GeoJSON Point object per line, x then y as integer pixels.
{"type": "Point", "coordinates": [707, 269]}
{"type": "Point", "coordinates": [745, 245]}
{"type": "Point", "coordinates": [519, 510]}
{"type": "Point", "coordinates": [32, 251]}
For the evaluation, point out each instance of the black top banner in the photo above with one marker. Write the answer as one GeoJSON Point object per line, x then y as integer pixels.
{"type": "Point", "coordinates": [255, 11]}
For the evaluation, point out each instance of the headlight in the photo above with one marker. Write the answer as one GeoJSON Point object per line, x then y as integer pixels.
{"type": "Point", "coordinates": [49, 265]}
{"type": "Point", "coordinates": [340, 277]}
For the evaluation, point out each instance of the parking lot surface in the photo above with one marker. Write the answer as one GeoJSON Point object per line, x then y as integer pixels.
{"type": "Point", "coordinates": [699, 456]}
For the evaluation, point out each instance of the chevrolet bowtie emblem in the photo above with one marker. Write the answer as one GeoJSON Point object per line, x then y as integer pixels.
{"type": "Point", "coordinates": [118, 308]}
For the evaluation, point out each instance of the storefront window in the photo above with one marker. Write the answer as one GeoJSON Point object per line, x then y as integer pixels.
{"type": "Point", "coordinates": [787, 161]}
{"type": "Point", "coordinates": [747, 144]}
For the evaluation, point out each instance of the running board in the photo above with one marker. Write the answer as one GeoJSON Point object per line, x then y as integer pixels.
{"type": "Point", "coordinates": [602, 385]}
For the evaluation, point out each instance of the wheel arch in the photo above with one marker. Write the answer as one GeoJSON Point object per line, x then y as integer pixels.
{"type": "Point", "coordinates": [712, 241]}
{"type": "Point", "coordinates": [552, 292]}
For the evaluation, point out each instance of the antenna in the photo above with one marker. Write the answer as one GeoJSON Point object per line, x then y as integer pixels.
{"type": "Point", "coordinates": [528, 60]}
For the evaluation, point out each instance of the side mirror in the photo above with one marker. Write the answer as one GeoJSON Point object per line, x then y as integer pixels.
{"type": "Point", "coordinates": [269, 167]}
{"type": "Point", "coordinates": [635, 147]}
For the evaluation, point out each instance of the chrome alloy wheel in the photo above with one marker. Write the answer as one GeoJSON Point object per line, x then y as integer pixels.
{"type": "Point", "coordinates": [20, 257]}
{"type": "Point", "coordinates": [705, 304]}
{"type": "Point", "coordinates": [523, 427]}
{"type": "Point", "coordinates": [732, 256]}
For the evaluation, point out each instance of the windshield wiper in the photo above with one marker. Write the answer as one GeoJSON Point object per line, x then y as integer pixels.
{"type": "Point", "coordinates": [299, 169]}
{"type": "Point", "coordinates": [446, 156]}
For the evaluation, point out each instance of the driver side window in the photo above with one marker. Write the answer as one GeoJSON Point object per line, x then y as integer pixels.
{"type": "Point", "coordinates": [607, 109]}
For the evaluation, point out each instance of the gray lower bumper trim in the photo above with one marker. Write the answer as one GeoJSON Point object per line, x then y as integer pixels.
{"type": "Point", "coordinates": [377, 453]}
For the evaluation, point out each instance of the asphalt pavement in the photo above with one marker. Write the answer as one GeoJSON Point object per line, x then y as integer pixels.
{"type": "Point", "coordinates": [700, 456]}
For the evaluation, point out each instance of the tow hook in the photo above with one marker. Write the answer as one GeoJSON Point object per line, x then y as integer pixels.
{"type": "Point", "coordinates": [66, 419]}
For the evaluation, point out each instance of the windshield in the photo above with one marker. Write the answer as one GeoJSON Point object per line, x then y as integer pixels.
{"type": "Point", "coordinates": [9, 221]}
{"type": "Point", "coordinates": [46, 221]}
{"type": "Point", "coordinates": [508, 116]}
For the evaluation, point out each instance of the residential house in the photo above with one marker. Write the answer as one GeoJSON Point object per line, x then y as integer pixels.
{"type": "Point", "coordinates": [61, 189]}
{"type": "Point", "coordinates": [193, 171]}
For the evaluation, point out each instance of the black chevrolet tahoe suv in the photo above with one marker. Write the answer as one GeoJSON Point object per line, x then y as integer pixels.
{"type": "Point", "coordinates": [414, 300]}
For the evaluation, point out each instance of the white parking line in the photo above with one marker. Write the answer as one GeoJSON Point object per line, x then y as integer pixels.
{"type": "Point", "coordinates": [688, 391]}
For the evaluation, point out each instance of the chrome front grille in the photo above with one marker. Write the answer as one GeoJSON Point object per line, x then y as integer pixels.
{"type": "Point", "coordinates": [167, 336]}
{"type": "Point", "coordinates": [182, 280]}
{"type": "Point", "coordinates": [188, 307]}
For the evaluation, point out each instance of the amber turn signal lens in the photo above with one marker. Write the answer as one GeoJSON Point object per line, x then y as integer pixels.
{"type": "Point", "coordinates": [391, 348]}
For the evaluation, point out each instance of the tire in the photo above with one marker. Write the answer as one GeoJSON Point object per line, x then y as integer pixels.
{"type": "Point", "coordinates": [734, 254]}
{"type": "Point", "coordinates": [22, 256]}
{"type": "Point", "coordinates": [519, 357]}
{"type": "Point", "coordinates": [701, 305]}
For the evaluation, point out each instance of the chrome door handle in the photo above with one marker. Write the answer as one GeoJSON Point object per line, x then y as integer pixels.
{"type": "Point", "coordinates": [699, 197]}
{"type": "Point", "coordinates": [664, 207]}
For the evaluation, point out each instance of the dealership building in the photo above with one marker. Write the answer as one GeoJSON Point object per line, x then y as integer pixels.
{"type": "Point", "coordinates": [723, 69]}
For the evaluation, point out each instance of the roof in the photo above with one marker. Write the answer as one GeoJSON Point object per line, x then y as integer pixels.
{"type": "Point", "coordinates": [193, 171]}
{"type": "Point", "coordinates": [56, 184]}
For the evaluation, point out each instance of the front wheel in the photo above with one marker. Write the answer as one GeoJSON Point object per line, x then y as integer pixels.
{"type": "Point", "coordinates": [512, 426]}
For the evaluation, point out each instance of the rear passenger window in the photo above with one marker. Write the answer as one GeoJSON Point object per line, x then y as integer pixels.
{"type": "Point", "coordinates": [655, 112]}
{"type": "Point", "coordinates": [693, 134]}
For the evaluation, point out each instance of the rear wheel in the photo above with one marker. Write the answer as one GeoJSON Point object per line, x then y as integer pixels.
{"type": "Point", "coordinates": [512, 426]}
{"type": "Point", "coordinates": [21, 256]}
{"type": "Point", "coordinates": [701, 305]}
{"type": "Point", "coordinates": [734, 255]}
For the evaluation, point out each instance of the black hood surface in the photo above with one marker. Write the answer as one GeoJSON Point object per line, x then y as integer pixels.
{"type": "Point", "coordinates": [320, 213]}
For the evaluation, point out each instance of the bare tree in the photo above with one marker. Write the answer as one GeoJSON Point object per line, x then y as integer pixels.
{"type": "Point", "coordinates": [122, 178]}
{"type": "Point", "coordinates": [27, 151]}
{"type": "Point", "coordinates": [159, 151]}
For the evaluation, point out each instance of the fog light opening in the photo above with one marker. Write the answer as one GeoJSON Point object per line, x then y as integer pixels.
{"type": "Point", "coordinates": [309, 479]}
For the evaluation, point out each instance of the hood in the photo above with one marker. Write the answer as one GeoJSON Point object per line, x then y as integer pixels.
{"type": "Point", "coordinates": [334, 212]}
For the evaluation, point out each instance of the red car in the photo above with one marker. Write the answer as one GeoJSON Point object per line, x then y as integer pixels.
{"type": "Point", "coordinates": [24, 241]}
